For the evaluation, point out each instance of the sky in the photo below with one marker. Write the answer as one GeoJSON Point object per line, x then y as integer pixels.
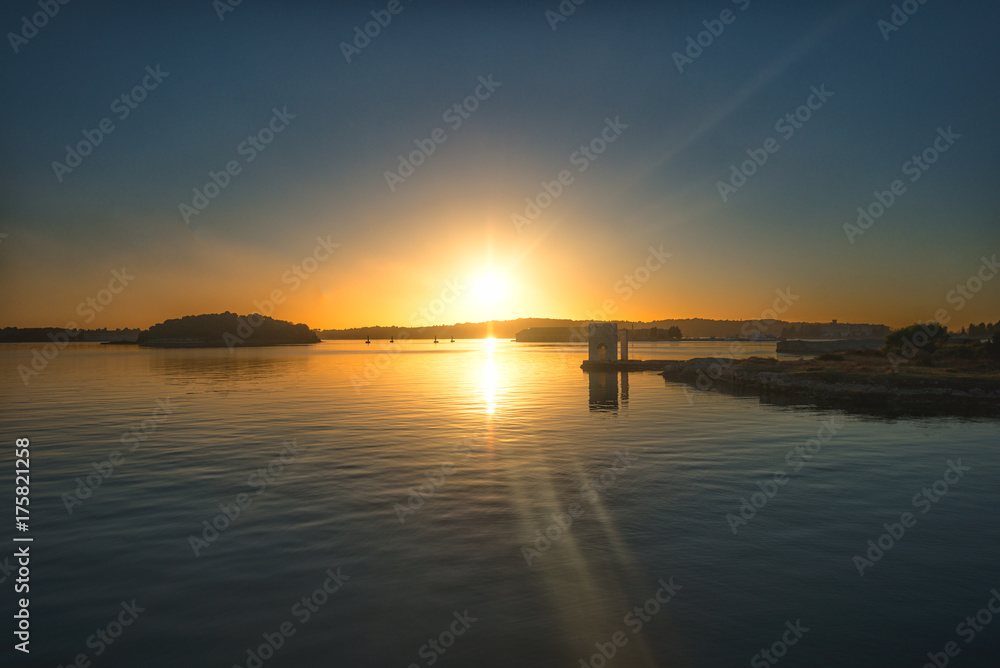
{"type": "Point", "coordinates": [595, 168]}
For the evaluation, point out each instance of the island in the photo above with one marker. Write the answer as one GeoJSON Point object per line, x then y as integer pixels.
{"type": "Point", "coordinates": [230, 330]}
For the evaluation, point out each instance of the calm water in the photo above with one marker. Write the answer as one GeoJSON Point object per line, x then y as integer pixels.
{"type": "Point", "coordinates": [519, 430]}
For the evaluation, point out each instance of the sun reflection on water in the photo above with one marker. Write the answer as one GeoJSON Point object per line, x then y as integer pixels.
{"type": "Point", "coordinates": [490, 377]}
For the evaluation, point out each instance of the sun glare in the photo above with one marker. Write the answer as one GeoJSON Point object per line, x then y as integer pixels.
{"type": "Point", "coordinates": [490, 289]}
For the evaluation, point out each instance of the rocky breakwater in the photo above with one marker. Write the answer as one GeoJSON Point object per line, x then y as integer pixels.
{"type": "Point", "coordinates": [841, 384]}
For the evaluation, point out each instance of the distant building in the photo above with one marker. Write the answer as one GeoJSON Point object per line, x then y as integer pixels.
{"type": "Point", "coordinates": [835, 331]}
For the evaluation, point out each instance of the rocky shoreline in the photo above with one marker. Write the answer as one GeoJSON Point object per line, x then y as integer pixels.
{"type": "Point", "coordinates": [806, 347]}
{"type": "Point", "coordinates": [806, 382]}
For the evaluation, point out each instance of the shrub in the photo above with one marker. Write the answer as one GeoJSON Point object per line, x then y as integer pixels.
{"type": "Point", "coordinates": [910, 340]}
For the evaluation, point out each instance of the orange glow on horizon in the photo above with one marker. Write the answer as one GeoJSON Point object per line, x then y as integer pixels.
{"type": "Point", "coordinates": [464, 273]}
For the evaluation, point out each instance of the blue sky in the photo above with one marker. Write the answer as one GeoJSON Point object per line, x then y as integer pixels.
{"type": "Point", "coordinates": [656, 184]}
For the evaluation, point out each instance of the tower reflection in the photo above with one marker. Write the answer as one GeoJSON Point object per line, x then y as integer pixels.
{"type": "Point", "coordinates": [604, 394]}
{"type": "Point", "coordinates": [603, 390]}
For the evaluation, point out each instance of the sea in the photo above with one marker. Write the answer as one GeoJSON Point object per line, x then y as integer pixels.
{"type": "Point", "coordinates": [481, 503]}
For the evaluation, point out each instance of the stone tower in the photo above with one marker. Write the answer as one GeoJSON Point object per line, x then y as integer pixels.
{"type": "Point", "coordinates": [603, 342]}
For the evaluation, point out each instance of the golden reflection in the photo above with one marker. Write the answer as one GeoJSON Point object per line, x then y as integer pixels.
{"type": "Point", "coordinates": [490, 377]}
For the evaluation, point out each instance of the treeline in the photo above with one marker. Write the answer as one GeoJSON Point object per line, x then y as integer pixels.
{"type": "Point", "coordinates": [501, 329]}
{"type": "Point", "coordinates": [228, 329]}
{"type": "Point", "coordinates": [657, 334]}
{"type": "Point", "coordinates": [47, 334]}
{"type": "Point", "coordinates": [508, 329]}
{"type": "Point", "coordinates": [37, 334]}
{"type": "Point", "coordinates": [983, 330]}
{"type": "Point", "coordinates": [930, 343]}
{"type": "Point", "coordinates": [691, 327]}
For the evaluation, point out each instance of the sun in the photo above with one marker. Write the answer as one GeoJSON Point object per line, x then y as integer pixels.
{"type": "Point", "coordinates": [489, 289]}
